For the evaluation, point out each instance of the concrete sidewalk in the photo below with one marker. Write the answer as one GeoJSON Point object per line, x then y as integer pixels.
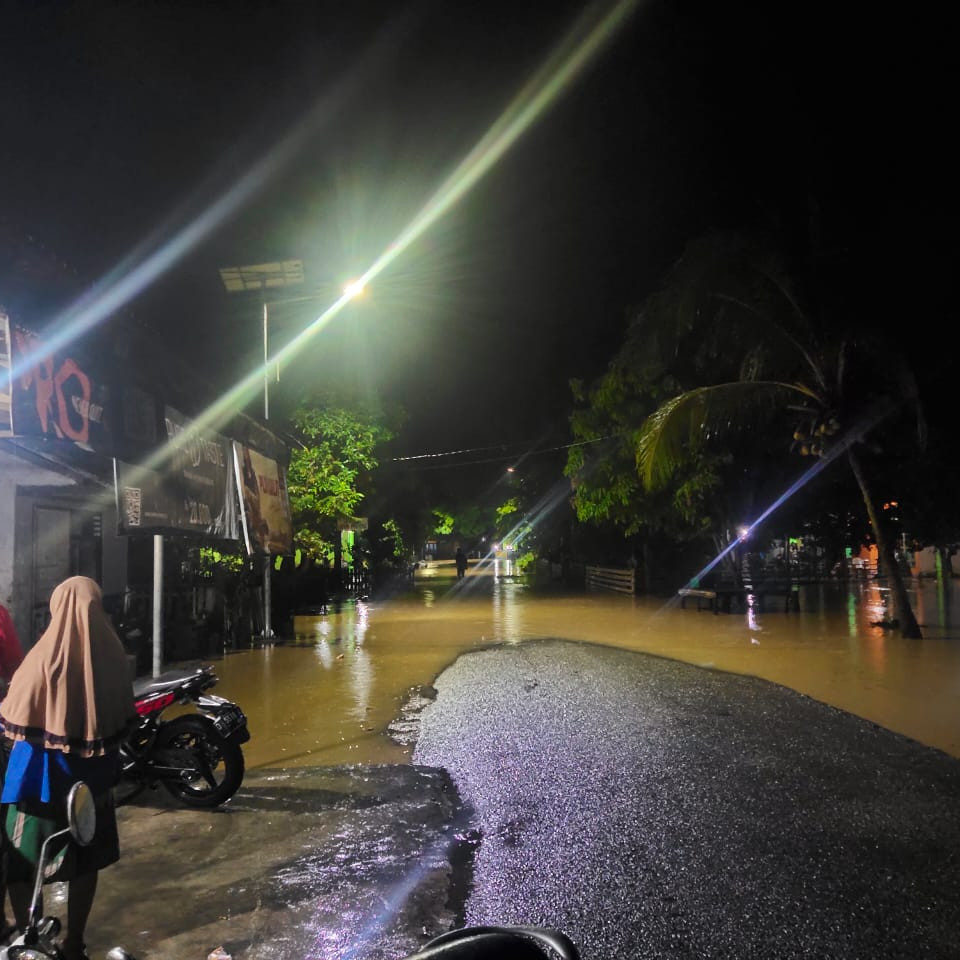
{"type": "Point", "coordinates": [304, 863]}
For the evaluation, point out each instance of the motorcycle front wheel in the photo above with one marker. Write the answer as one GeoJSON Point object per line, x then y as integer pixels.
{"type": "Point", "coordinates": [218, 763]}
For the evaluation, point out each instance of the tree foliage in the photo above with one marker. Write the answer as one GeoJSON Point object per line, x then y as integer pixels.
{"type": "Point", "coordinates": [329, 469]}
{"type": "Point", "coordinates": [803, 366]}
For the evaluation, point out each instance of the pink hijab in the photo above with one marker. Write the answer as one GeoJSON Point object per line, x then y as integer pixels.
{"type": "Point", "coordinates": [72, 692]}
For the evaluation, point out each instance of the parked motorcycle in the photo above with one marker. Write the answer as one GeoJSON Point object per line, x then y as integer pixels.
{"type": "Point", "coordinates": [196, 757]}
{"type": "Point", "coordinates": [38, 941]}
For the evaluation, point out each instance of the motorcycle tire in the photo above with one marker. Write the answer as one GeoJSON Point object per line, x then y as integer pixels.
{"type": "Point", "coordinates": [223, 760]}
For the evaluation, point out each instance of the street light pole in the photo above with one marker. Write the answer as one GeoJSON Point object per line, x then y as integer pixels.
{"type": "Point", "coordinates": [267, 593]}
{"type": "Point", "coordinates": [266, 363]}
{"type": "Point", "coordinates": [265, 276]}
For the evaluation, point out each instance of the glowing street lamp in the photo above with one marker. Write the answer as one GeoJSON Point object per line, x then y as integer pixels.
{"type": "Point", "coordinates": [353, 289]}
{"type": "Point", "coordinates": [264, 277]}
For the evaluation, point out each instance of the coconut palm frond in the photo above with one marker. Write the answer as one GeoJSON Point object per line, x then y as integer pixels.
{"type": "Point", "coordinates": [770, 325]}
{"type": "Point", "coordinates": [685, 423]}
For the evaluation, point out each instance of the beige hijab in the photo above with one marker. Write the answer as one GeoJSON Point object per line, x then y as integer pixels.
{"type": "Point", "coordinates": [73, 690]}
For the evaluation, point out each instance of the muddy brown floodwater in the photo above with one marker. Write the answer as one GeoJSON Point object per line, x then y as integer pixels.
{"type": "Point", "coordinates": [329, 696]}
{"type": "Point", "coordinates": [338, 846]}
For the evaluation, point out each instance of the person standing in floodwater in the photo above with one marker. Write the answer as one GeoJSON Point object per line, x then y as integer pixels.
{"type": "Point", "coordinates": [461, 559]}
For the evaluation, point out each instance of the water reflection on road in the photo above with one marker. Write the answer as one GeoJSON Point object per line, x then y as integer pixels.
{"type": "Point", "coordinates": [328, 696]}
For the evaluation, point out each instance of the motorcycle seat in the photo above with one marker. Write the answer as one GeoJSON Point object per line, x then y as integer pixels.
{"type": "Point", "coordinates": [165, 681]}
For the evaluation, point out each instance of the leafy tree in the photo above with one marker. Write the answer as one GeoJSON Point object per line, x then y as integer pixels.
{"type": "Point", "coordinates": [507, 515]}
{"type": "Point", "coordinates": [711, 493]}
{"type": "Point", "coordinates": [841, 390]}
{"type": "Point", "coordinates": [330, 469]}
{"type": "Point", "coordinates": [392, 538]}
{"type": "Point", "coordinates": [444, 522]}
{"type": "Point", "coordinates": [473, 521]}
{"type": "Point", "coordinates": [466, 520]}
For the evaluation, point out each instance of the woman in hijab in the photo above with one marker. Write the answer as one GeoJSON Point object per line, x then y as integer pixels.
{"type": "Point", "coordinates": [68, 707]}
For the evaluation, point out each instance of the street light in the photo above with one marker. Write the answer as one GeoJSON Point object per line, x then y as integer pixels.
{"type": "Point", "coordinates": [277, 274]}
{"type": "Point", "coordinates": [353, 289]}
{"type": "Point", "coordinates": [264, 277]}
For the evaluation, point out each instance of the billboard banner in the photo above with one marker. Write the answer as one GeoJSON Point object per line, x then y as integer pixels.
{"type": "Point", "coordinates": [6, 386]}
{"type": "Point", "coordinates": [55, 396]}
{"type": "Point", "coordinates": [267, 524]}
{"type": "Point", "coordinates": [201, 468]}
{"type": "Point", "coordinates": [190, 490]}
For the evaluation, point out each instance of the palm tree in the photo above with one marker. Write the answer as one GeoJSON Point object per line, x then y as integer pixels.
{"type": "Point", "coordinates": [836, 388]}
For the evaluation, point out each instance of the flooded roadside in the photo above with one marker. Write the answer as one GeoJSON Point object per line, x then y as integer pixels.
{"type": "Point", "coordinates": [331, 695]}
{"type": "Point", "coordinates": [339, 845]}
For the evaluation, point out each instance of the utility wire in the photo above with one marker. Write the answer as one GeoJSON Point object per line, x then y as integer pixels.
{"type": "Point", "coordinates": [470, 463]}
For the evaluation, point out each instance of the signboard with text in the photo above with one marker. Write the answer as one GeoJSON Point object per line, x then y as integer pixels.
{"type": "Point", "coordinates": [54, 394]}
{"type": "Point", "coordinates": [267, 524]}
{"type": "Point", "coordinates": [189, 488]}
{"type": "Point", "coordinates": [203, 473]}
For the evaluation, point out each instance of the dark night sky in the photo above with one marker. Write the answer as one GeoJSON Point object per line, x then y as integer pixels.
{"type": "Point", "coordinates": [125, 122]}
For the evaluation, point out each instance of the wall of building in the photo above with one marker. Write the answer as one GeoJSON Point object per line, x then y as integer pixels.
{"type": "Point", "coordinates": [93, 547]}
{"type": "Point", "coordinates": [15, 473]}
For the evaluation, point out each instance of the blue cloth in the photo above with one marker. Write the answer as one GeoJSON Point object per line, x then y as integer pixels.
{"type": "Point", "coordinates": [35, 773]}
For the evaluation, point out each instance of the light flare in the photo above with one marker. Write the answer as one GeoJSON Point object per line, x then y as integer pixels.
{"type": "Point", "coordinates": [580, 46]}
{"type": "Point", "coordinates": [852, 436]}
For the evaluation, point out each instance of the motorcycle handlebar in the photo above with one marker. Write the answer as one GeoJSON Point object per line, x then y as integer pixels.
{"type": "Point", "coordinates": [499, 943]}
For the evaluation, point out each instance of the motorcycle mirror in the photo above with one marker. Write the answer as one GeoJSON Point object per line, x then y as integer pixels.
{"type": "Point", "coordinates": [81, 813]}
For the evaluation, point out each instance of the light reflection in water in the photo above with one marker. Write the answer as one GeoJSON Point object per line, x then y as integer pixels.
{"type": "Point", "coordinates": [753, 624]}
{"type": "Point", "coordinates": [329, 698]}
{"type": "Point", "coordinates": [508, 609]}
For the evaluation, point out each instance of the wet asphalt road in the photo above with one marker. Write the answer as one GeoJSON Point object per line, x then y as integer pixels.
{"type": "Point", "coordinates": [652, 809]}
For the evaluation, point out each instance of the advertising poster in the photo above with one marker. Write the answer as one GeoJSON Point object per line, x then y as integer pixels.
{"type": "Point", "coordinates": [267, 525]}
{"type": "Point", "coordinates": [202, 472]}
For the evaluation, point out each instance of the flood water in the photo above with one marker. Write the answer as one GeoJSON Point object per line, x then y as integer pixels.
{"type": "Point", "coordinates": [328, 696]}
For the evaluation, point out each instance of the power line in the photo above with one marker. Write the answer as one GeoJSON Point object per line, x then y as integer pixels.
{"type": "Point", "coordinates": [469, 463]}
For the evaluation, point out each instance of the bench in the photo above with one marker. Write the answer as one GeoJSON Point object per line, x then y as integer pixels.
{"type": "Point", "coordinates": [723, 597]}
{"type": "Point", "coordinates": [684, 593]}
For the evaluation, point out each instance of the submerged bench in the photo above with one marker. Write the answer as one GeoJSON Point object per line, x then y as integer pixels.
{"type": "Point", "coordinates": [722, 598]}
{"type": "Point", "coordinates": [684, 593]}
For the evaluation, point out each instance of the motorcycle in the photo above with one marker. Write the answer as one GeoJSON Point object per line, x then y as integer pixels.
{"type": "Point", "coordinates": [38, 940]}
{"type": "Point", "coordinates": [196, 757]}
